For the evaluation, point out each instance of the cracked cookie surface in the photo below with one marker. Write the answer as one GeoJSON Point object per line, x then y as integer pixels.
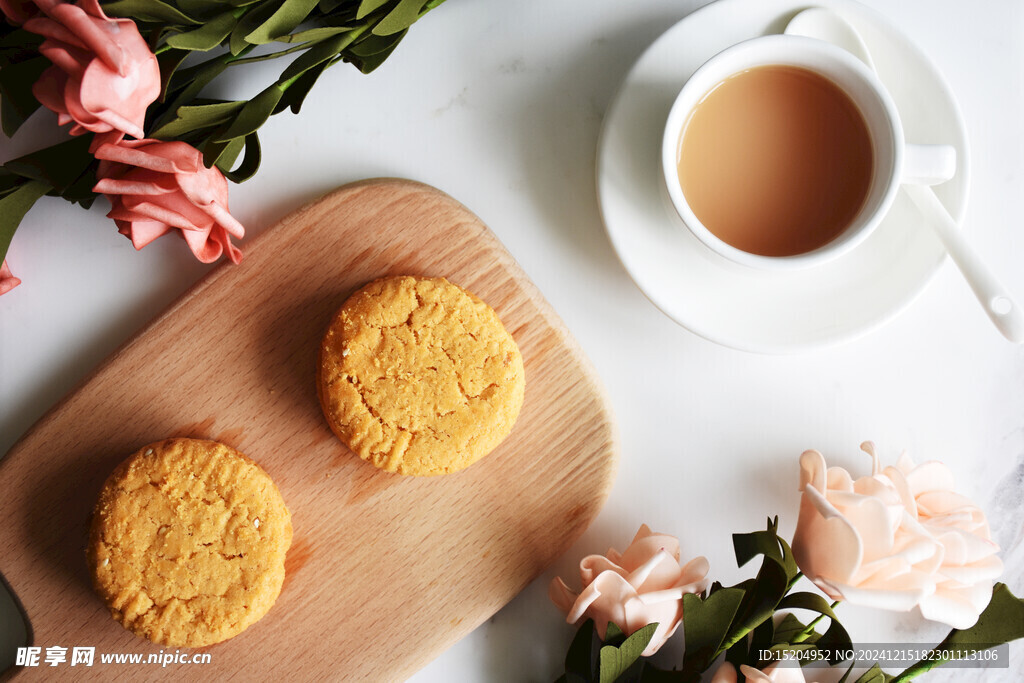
{"type": "Point", "coordinates": [187, 542]}
{"type": "Point", "coordinates": [419, 376]}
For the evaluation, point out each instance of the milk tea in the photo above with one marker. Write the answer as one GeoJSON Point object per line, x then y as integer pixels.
{"type": "Point", "coordinates": [776, 161]}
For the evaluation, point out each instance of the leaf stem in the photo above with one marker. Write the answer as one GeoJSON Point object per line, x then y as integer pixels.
{"type": "Point", "coordinates": [809, 629]}
{"type": "Point", "coordinates": [270, 55]}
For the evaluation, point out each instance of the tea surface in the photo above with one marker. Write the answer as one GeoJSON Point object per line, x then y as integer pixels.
{"type": "Point", "coordinates": [776, 160]}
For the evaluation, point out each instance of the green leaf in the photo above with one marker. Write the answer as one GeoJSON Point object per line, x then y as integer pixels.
{"type": "Point", "coordinates": [613, 633]}
{"type": "Point", "coordinates": [1001, 621]}
{"type": "Point", "coordinates": [792, 647]}
{"type": "Point", "coordinates": [370, 63]}
{"type": "Point", "coordinates": [13, 208]}
{"type": "Point", "coordinates": [17, 102]}
{"type": "Point", "coordinates": [229, 153]}
{"type": "Point", "coordinates": [833, 641]}
{"type": "Point", "coordinates": [17, 43]}
{"type": "Point", "coordinates": [312, 35]}
{"type": "Point", "coordinates": [874, 675]}
{"type": "Point", "coordinates": [252, 115]}
{"type": "Point", "coordinates": [288, 16]}
{"type": "Point", "coordinates": [846, 676]}
{"type": "Point", "coordinates": [367, 6]}
{"type": "Point", "coordinates": [759, 601]}
{"type": "Point", "coordinates": [791, 632]}
{"type": "Point", "coordinates": [296, 93]}
{"type": "Point", "coordinates": [187, 83]}
{"type": "Point", "coordinates": [271, 55]}
{"type": "Point", "coordinates": [185, 86]}
{"type": "Point", "coordinates": [207, 36]}
{"type": "Point", "coordinates": [250, 21]}
{"type": "Point", "coordinates": [370, 52]}
{"type": "Point", "coordinates": [169, 61]}
{"type": "Point", "coordinates": [706, 623]}
{"type": "Point", "coordinates": [9, 181]}
{"type": "Point", "coordinates": [195, 8]}
{"type": "Point", "coordinates": [400, 18]}
{"type": "Point", "coordinates": [614, 661]}
{"type": "Point", "coordinates": [58, 166]}
{"type": "Point", "coordinates": [788, 628]}
{"type": "Point", "coordinates": [80, 192]}
{"type": "Point", "coordinates": [147, 10]}
{"type": "Point", "coordinates": [372, 44]}
{"type": "Point", "coordinates": [767, 543]}
{"type": "Point", "coordinates": [197, 117]}
{"type": "Point", "coordinates": [328, 6]}
{"type": "Point", "coordinates": [250, 162]}
{"type": "Point", "coordinates": [762, 638]}
{"type": "Point", "coordinates": [581, 659]}
{"type": "Point", "coordinates": [808, 601]}
{"type": "Point", "coordinates": [319, 53]}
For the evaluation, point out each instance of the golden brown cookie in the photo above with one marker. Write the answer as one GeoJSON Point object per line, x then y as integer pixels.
{"type": "Point", "coordinates": [188, 541]}
{"type": "Point", "coordinates": [419, 376]}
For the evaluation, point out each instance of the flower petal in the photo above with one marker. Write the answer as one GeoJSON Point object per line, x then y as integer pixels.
{"type": "Point", "coordinates": [7, 279]}
{"type": "Point", "coordinates": [825, 544]}
{"type": "Point", "coordinates": [561, 595]}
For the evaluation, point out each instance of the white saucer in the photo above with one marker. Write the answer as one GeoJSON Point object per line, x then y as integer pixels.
{"type": "Point", "coordinates": [769, 312]}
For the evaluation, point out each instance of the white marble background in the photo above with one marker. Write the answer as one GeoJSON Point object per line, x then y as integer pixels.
{"type": "Point", "coordinates": [499, 104]}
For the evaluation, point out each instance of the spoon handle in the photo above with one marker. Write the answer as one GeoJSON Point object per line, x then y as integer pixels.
{"type": "Point", "coordinates": [1005, 313]}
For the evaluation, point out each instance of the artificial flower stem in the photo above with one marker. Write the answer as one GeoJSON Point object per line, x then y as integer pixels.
{"type": "Point", "coordinates": [350, 38]}
{"type": "Point", "coordinates": [792, 582]}
{"type": "Point", "coordinates": [269, 55]}
{"type": "Point", "coordinates": [926, 664]}
{"type": "Point", "coordinates": [919, 668]}
{"type": "Point", "coordinates": [809, 629]}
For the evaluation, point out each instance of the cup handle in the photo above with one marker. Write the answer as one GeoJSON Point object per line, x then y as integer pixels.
{"type": "Point", "coordinates": [928, 164]}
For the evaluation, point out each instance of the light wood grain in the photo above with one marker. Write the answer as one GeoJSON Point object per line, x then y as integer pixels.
{"type": "Point", "coordinates": [385, 571]}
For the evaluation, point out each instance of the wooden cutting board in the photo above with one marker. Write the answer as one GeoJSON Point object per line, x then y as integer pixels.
{"type": "Point", "coordinates": [385, 572]}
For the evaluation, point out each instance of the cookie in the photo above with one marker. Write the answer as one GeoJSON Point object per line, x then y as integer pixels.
{"type": "Point", "coordinates": [187, 542]}
{"type": "Point", "coordinates": [418, 376]}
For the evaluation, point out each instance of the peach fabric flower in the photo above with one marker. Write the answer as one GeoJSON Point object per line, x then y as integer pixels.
{"type": "Point", "coordinates": [641, 586]}
{"type": "Point", "coordinates": [970, 566]}
{"type": "Point", "coordinates": [104, 75]}
{"type": "Point", "coordinates": [155, 187]}
{"type": "Point", "coordinates": [897, 539]}
{"type": "Point", "coordinates": [7, 279]}
{"type": "Point", "coordinates": [773, 673]}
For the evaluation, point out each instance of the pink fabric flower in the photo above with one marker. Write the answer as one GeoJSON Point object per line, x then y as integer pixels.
{"type": "Point", "coordinates": [897, 539]}
{"type": "Point", "coordinates": [641, 586]}
{"type": "Point", "coordinates": [156, 186]}
{"type": "Point", "coordinates": [104, 75]}
{"type": "Point", "coordinates": [17, 12]}
{"type": "Point", "coordinates": [7, 279]}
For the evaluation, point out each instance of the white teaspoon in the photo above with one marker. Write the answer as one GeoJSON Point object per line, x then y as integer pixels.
{"type": "Point", "coordinates": [1005, 313]}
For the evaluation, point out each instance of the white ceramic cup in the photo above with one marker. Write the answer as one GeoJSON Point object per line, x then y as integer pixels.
{"type": "Point", "coordinates": [895, 161]}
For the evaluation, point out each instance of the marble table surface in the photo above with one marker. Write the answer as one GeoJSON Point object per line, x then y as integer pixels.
{"type": "Point", "coordinates": [500, 105]}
